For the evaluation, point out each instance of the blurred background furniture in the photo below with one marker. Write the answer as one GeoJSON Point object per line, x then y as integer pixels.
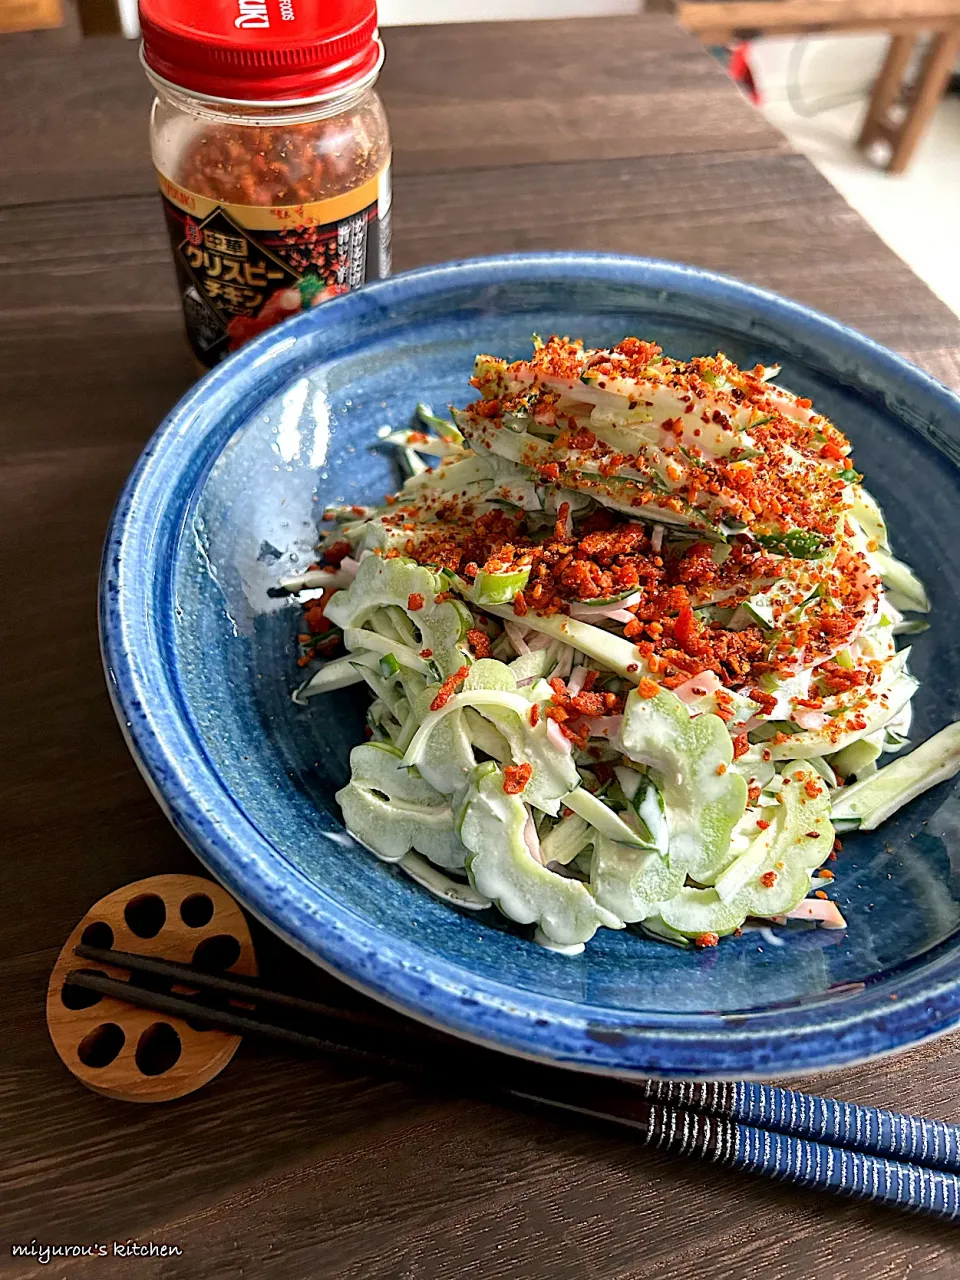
{"type": "Point", "coordinates": [902, 104]}
{"type": "Point", "coordinates": [30, 15]}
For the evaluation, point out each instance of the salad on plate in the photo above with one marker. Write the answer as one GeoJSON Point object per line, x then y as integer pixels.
{"type": "Point", "coordinates": [631, 631]}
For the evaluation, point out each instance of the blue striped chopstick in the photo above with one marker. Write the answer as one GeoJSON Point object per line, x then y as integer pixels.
{"type": "Point", "coordinates": [888, 1134]}
{"type": "Point", "coordinates": [782, 1134]}
{"type": "Point", "coordinates": [726, 1141]}
{"type": "Point", "coordinates": [805, 1163]}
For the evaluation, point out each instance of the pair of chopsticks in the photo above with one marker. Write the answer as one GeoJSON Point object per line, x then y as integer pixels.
{"type": "Point", "coordinates": [861, 1152]}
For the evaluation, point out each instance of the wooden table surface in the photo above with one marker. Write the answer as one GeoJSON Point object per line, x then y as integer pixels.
{"type": "Point", "coordinates": [618, 135]}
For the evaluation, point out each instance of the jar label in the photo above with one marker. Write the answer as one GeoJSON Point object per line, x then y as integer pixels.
{"type": "Point", "coordinates": [242, 268]}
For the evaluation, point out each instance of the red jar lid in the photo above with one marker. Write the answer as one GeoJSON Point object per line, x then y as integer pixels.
{"type": "Point", "coordinates": [260, 50]}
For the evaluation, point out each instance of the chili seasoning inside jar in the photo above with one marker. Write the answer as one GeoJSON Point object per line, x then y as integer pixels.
{"type": "Point", "coordinates": [273, 156]}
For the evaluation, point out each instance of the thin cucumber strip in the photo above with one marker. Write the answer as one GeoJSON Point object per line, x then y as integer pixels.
{"type": "Point", "coordinates": [820, 742]}
{"type": "Point", "coordinates": [906, 590]}
{"type": "Point", "coordinates": [361, 638]}
{"type": "Point", "coordinates": [568, 838]}
{"type": "Point", "coordinates": [436, 447]}
{"type": "Point", "coordinates": [603, 818]}
{"type": "Point", "coordinates": [442, 427]}
{"type": "Point", "coordinates": [312, 580]}
{"type": "Point", "coordinates": [852, 760]}
{"type": "Point", "coordinates": [455, 892]}
{"type": "Point", "coordinates": [612, 652]}
{"type": "Point", "coordinates": [867, 513]}
{"type": "Point", "coordinates": [338, 674]}
{"type": "Point", "coordinates": [872, 801]}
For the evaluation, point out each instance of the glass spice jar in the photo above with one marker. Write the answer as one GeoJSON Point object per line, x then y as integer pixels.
{"type": "Point", "coordinates": [273, 156]}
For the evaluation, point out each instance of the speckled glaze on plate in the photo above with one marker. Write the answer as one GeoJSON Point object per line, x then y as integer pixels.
{"type": "Point", "coordinates": [200, 664]}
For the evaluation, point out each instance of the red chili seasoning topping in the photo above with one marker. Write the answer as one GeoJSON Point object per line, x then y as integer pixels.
{"type": "Point", "coordinates": [278, 165]}
{"type": "Point", "coordinates": [448, 688]}
{"type": "Point", "coordinates": [741, 745]}
{"type": "Point", "coordinates": [648, 688]}
{"type": "Point", "coordinates": [768, 879]}
{"type": "Point", "coordinates": [339, 551]}
{"type": "Point", "coordinates": [317, 623]}
{"type": "Point", "coordinates": [426, 653]}
{"type": "Point", "coordinates": [414, 601]}
{"type": "Point", "coordinates": [479, 642]}
{"type": "Point", "coordinates": [516, 777]}
{"type": "Point", "coordinates": [707, 940]}
{"type": "Point", "coordinates": [534, 714]}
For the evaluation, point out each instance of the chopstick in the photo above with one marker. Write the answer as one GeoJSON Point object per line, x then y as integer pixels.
{"type": "Point", "coordinates": [931, 1143]}
{"type": "Point", "coordinates": [709, 1120]}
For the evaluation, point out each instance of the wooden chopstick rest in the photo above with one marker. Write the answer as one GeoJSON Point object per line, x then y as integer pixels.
{"type": "Point", "coordinates": [135, 1054]}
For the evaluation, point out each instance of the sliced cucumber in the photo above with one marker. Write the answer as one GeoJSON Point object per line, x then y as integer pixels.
{"type": "Point", "coordinates": [773, 874]}
{"type": "Point", "coordinates": [488, 673]}
{"type": "Point", "coordinates": [536, 665]}
{"type": "Point", "coordinates": [747, 864]}
{"type": "Point", "coordinates": [442, 427]}
{"type": "Point", "coordinates": [554, 772]}
{"type": "Point", "coordinates": [694, 912]}
{"type": "Point", "coordinates": [690, 759]}
{"type": "Point", "coordinates": [393, 586]}
{"type": "Point", "coordinates": [447, 760]}
{"type": "Point", "coordinates": [502, 868]}
{"type": "Point", "coordinates": [360, 638]}
{"type": "Point", "coordinates": [498, 588]}
{"type": "Point", "coordinates": [821, 742]}
{"type": "Point", "coordinates": [648, 805]}
{"type": "Point", "coordinates": [391, 811]}
{"type": "Point", "coordinates": [867, 513]}
{"type": "Point", "coordinates": [631, 882]}
{"type": "Point", "coordinates": [389, 666]}
{"type": "Point", "coordinates": [483, 735]}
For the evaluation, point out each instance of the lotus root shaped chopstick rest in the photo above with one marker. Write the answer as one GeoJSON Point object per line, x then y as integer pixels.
{"type": "Point", "coordinates": [139, 1055]}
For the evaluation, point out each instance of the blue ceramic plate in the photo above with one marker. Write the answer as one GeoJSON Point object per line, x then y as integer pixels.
{"type": "Point", "coordinates": [225, 500]}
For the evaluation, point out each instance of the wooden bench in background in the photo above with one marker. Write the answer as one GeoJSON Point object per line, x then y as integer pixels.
{"type": "Point", "coordinates": [906, 21]}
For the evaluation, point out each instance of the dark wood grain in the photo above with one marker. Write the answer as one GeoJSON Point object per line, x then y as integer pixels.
{"type": "Point", "coordinates": [617, 135]}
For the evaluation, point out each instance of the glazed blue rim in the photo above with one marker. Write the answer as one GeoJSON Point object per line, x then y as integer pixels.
{"type": "Point", "coordinates": [894, 1011]}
